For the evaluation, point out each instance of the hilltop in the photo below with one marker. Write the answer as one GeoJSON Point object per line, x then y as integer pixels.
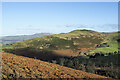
{"type": "Point", "coordinates": [65, 45]}
{"type": "Point", "coordinates": [14, 66]}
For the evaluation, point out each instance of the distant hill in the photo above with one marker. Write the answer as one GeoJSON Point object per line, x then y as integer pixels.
{"type": "Point", "coordinates": [13, 39]}
{"type": "Point", "coordinates": [61, 45]}
{"type": "Point", "coordinates": [22, 67]}
{"type": "Point", "coordinates": [66, 45]}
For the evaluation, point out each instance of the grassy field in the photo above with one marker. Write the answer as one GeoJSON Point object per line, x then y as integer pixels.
{"type": "Point", "coordinates": [113, 44]}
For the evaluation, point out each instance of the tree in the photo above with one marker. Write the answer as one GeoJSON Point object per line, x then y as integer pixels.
{"type": "Point", "coordinates": [70, 64]}
{"type": "Point", "coordinates": [61, 61]}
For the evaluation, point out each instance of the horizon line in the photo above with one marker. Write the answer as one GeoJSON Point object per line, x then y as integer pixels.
{"type": "Point", "coordinates": [57, 33]}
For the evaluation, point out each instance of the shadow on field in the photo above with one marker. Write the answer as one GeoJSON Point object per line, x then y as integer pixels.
{"type": "Point", "coordinates": [44, 55]}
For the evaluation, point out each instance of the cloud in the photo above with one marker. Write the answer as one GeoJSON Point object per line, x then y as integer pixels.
{"type": "Point", "coordinates": [107, 28]}
{"type": "Point", "coordinates": [99, 28]}
{"type": "Point", "coordinates": [78, 26]}
{"type": "Point", "coordinates": [67, 28]}
{"type": "Point", "coordinates": [112, 26]}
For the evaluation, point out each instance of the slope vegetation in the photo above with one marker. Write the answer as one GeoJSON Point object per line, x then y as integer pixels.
{"type": "Point", "coordinates": [58, 45]}
{"type": "Point", "coordinates": [22, 67]}
{"type": "Point", "coordinates": [110, 44]}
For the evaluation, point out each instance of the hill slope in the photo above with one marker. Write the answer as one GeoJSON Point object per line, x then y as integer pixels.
{"type": "Point", "coordinates": [110, 44]}
{"type": "Point", "coordinates": [58, 45]}
{"type": "Point", "coordinates": [66, 45]}
{"type": "Point", "coordinates": [22, 67]}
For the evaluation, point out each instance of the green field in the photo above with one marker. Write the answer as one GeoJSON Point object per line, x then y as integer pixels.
{"type": "Point", "coordinates": [111, 40]}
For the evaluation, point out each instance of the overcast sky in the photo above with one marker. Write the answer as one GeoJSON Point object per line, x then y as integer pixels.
{"type": "Point", "coordinates": [57, 17]}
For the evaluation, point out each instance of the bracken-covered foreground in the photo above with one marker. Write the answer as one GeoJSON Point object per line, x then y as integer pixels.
{"type": "Point", "coordinates": [22, 67]}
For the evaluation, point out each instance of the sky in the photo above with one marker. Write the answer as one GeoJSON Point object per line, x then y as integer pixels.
{"type": "Point", "coordinates": [25, 18]}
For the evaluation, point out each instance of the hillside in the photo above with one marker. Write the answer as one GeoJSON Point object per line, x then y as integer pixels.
{"type": "Point", "coordinates": [84, 50]}
{"type": "Point", "coordinates": [110, 44]}
{"type": "Point", "coordinates": [65, 45]}
{"type": "Point", "coordinates": [58, 45]}
{"type": "Point", "coordinates": [13, 39]}
{"type": "Point", "coordinates": [22, 67]}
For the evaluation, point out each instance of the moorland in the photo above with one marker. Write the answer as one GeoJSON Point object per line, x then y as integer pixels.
{"type": "Point", "coordinates": [83, 50]}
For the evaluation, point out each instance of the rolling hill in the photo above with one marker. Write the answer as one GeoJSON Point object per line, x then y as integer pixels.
{"type": "Point", "coordinates": [14, 66]}
{"type": "Point", "coordinates": [65, 45]}
{"type": "Point", "coordinates": [84, 50]}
